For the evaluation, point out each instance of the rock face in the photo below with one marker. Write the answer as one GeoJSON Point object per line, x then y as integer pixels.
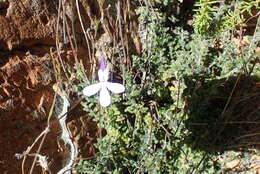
{"type": "Point", "coordinates": [26, 78]}
{"type": "Point", "coordinates": [27, 23]}
{"type": "Point", "coordinates": [27, 36]}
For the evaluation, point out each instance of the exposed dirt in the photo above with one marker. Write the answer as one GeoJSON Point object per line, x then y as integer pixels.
{"type": "Point", "coordinates": [27, 34]}
{"type": "Point", "coordinates": [26, 77]}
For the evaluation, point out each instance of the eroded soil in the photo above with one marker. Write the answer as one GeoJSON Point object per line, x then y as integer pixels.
{"type": "Point", "coordinates": [27, 33]}
{"type": "Point", "coordinates": [28, 39]}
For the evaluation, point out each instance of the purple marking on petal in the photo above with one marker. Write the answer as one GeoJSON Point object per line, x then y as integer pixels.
{"type": "Point", "coordinates": [103, 63]}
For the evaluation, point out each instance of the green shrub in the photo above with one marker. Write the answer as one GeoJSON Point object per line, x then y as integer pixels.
{"type": "Point", "coordinates": [146, 130]}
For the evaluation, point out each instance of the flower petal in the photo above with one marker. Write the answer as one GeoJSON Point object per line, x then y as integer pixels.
{"type": "Point", "coordinates": [115, 87]}
{"type": "Point", "coordinates": [91, 89]}
{"type": "Point", "coordinates": [103, 75]}
{"type": "Point", "coordinates": [104, 98]}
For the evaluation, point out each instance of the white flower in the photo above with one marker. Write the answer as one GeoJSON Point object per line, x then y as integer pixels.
{"type": "Point", "coordinates": [103, 86]}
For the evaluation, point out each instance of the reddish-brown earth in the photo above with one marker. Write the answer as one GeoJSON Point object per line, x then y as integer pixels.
{"type": "Point", "coordinates": [27, 34]}
{"type": "Point", "coordinates": [26, 77]}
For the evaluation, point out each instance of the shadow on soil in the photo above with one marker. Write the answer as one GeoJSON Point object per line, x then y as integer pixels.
{"type": "Point", "coordinates": [223, 114]}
